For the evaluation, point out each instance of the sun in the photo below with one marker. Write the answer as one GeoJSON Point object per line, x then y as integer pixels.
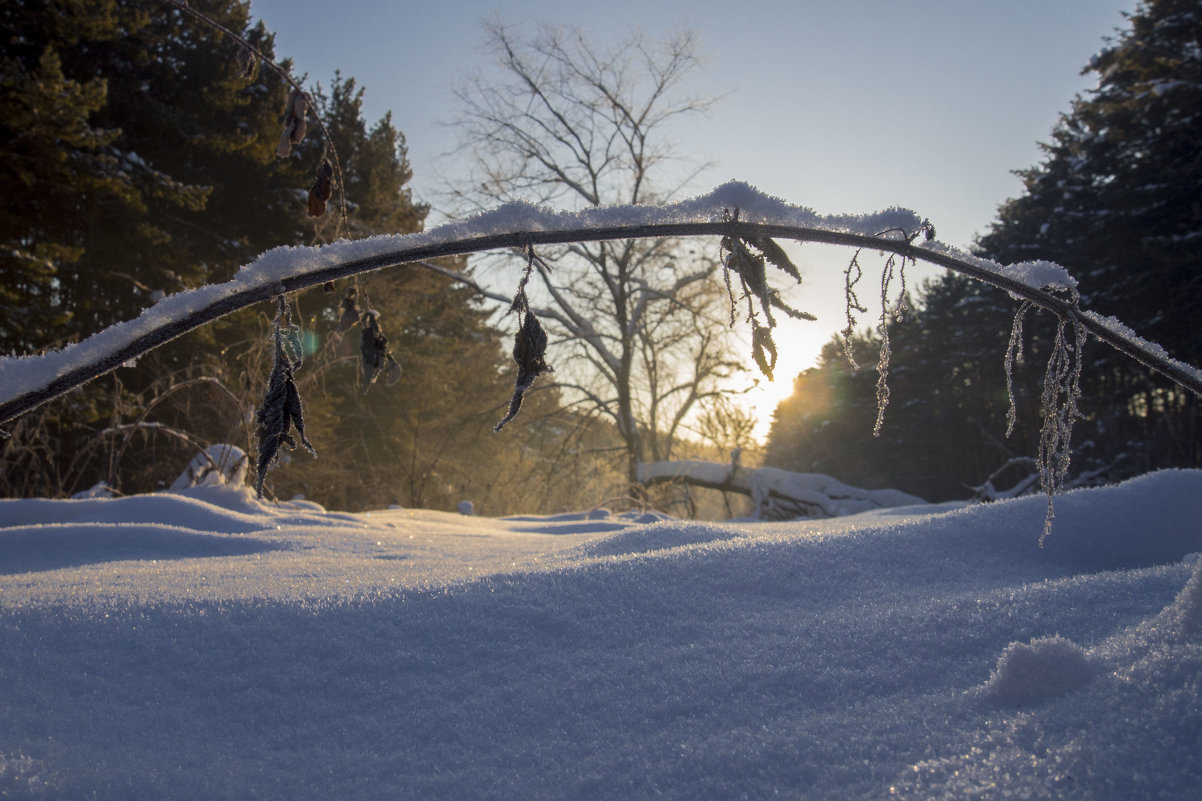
{"type": "Point", "coordinates": [795, 355]}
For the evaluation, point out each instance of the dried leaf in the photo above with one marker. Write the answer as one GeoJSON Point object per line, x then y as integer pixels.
{"type": "Point", "coordinates": [285, 146]}
{"type": "Point", "coordinates": [377, 358]}
{"type": "Point", "coordinates": [776, 255]}
{"type": "Point", "coordinates": [247, 62]}
{"type": "Point", "coordinates": [297, 131]}
{"type": "Point", "coordinates": [796, 314]}
{"type": "Point", "coordinates": [322, 189]}
{"type": "Point", "coordinates": [281, 409]}
{"type": "Point", "coordinates": [350, 310]}
{"type": "Point", "coordinates": [763, 349]}
{"type": "Point", "coordinates": [529, 351]}
{"type": "Point", "coordinates": [294, 122]}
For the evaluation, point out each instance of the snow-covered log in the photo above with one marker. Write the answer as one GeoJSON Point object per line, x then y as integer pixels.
{"type": "Point", "coordinates": [778, 494]}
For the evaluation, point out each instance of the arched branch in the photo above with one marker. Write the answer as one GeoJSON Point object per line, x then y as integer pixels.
{"type": "Point", "coordinates": [59, 372]}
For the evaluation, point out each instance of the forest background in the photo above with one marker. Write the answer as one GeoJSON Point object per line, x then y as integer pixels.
{"type": "Point", "coordinates": [142, 159]}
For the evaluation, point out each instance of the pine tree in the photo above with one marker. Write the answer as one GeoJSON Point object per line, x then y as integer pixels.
{"type": "Point", "coordinates": [154, 174]}
{"type": "Point", "coordinates": [137, 160]}
{"type": "Point", "coordinates": [945, 430]}
{"type": "Point", "coordinates": [1117, 201]}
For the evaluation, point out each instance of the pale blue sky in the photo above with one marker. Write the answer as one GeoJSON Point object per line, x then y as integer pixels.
{"type": "Point", "coordinates": [845, 106]}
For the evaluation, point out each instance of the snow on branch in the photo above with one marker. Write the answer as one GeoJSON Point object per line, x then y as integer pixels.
{"type": "Point", "coordinates": [27, 381]}
{"type": "Point", "coordinates": [778, 493]}
{"type": "Point", "coordinates": [747, 220]}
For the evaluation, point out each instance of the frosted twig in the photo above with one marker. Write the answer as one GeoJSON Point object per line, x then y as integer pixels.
{"type": "Point", "coordinates": [886, 352]}
{"type": "Point", "coordinates": [1014, 353]}
{"type": "Point", "coordinates": [1061, 392]}
{"type": "Point", "coordinates": [853, 305]}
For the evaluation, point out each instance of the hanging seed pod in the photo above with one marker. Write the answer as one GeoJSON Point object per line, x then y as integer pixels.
{"type": "Point", "coordinates": [322, 189]}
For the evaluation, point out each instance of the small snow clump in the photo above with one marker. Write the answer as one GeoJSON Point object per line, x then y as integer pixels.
{"type": "Point", "coordinates": [1044, 668]}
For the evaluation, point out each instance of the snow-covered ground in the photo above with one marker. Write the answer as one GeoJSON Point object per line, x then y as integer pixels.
{"type": "Point", "coordinates": [203, 645]}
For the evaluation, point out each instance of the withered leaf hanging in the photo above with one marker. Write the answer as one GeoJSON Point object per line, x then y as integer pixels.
{"type": "Point", "coordinates": [322, 189]}
{"type": "Point", "coordinates": [294, 122]}
{"type": "Point", "coordinates": [775, 254]}
{"type": "Point", "coordinates": [763, 349]}
{"type": "Point", "coordinates": [281, 409]}
{"type": "Point", "coordinates": [378, 360]}
{"type": "Point", "coordinates": [529, 351]}
{"type": "Point", "coordinates": [247, 62]}
{"type": "Point", "coordinates": [747, 257]}
{"type": "Point", "coordinates": [350, 310]}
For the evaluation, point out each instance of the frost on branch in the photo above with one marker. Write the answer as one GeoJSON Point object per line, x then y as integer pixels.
{"type": "Point", "coordinates": [281, 409]}
{"type": "Point", "coordinates": [851, 277]}
{"type": "Point", "coordinates": [1058, 401]}
{"type": "Point", "coordinates": [1014, 354]}
{"type": "Point", "coordinates": [529, 345]}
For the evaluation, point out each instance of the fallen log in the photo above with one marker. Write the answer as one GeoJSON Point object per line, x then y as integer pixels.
{"type": "Point", "coordinates": [778, 494]}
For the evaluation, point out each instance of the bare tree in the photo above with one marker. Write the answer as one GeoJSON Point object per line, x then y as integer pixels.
{"type": "Point", "coordinates": [639, 325]}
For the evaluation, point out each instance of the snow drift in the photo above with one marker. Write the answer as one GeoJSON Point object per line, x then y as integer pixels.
{"type": "Point", "coordinates": [234, 649]}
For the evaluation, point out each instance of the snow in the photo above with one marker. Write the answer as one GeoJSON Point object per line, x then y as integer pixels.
{"type": "Point", "coordinates": [202, 644]}
{"type": "Point", "coordinates": [1036, 274]}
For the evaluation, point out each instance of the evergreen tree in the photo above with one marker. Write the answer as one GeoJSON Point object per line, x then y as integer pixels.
{"type": "Point", "coordinates": [143, 160]}
{"type": "Point", "coordinates": [1117, 201]}
{"type": "Point", "coordinates": [138, 160]}
{"type": "Point", "coordinates": [945, 428]}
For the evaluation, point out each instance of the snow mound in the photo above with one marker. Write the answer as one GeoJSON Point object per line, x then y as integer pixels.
{"type": "Point", "coordinates": [1185, 613]}
{"type": "Point", "coordinates": [412, 653]}
{"type": "Point", "coordinates": [659, 537]}
{"type": "Point", "coordinates": [1044, 668]}
{"type": "Point", "coordinates": [1145, 521]}
{"type": "Point", "coordinates": [37, 548]}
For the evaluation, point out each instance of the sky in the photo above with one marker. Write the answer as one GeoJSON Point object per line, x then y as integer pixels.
{"type": "Point", "coordinates": [847, 106]}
